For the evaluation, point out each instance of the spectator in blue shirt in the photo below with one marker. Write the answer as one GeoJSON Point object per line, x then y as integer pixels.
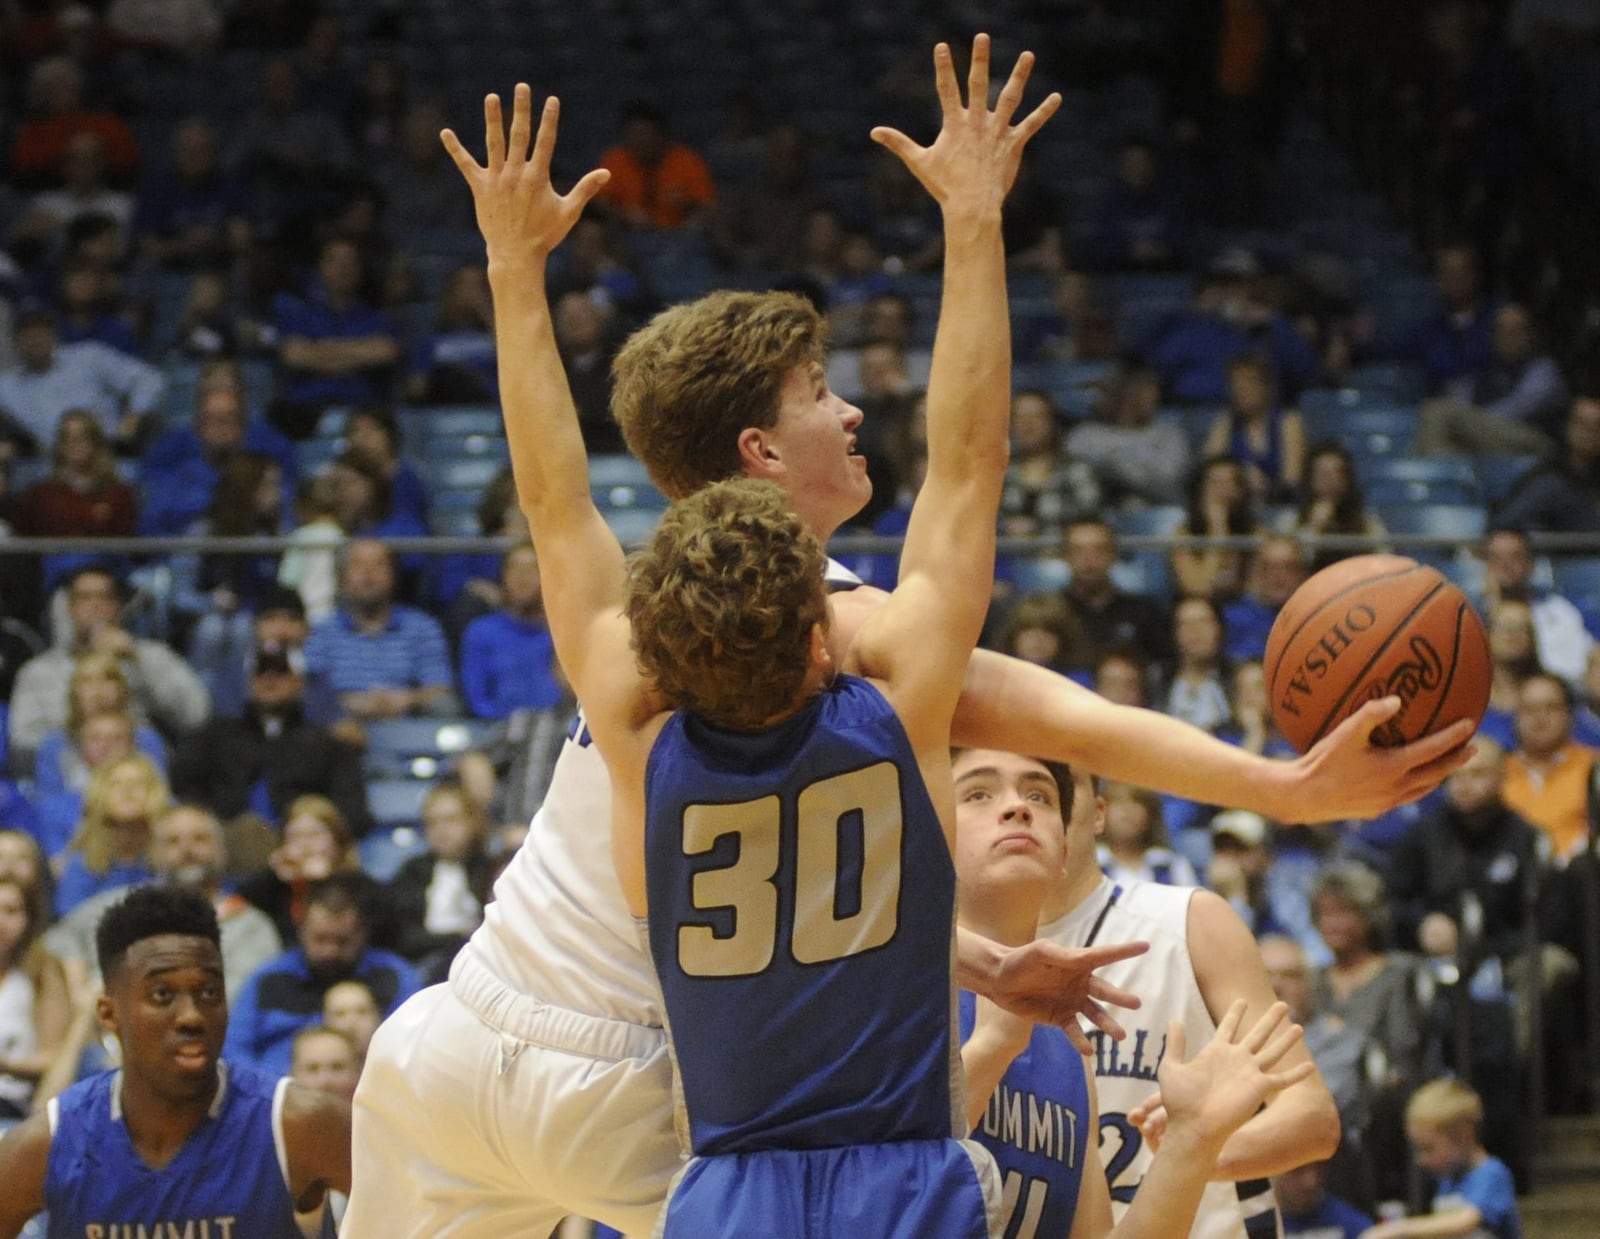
{"type": "Point", "coordinates": [51, 378]}
{"type": "Point", "coordinates": [1473, 1192]}
{"type": "Point", "coordinates": [1141, 222]}
{"type": "Point", "coordinates": [382, 659]}
{"type": "Point", "coordinates": [87, 309]}
{"type": "Point", "coordinates": [507, 659]}
{"type": "Point", "coordinates": [1310, 1212]}
{"type": "Point", "coordinates": [455, 362]}
{"type": "Point", "coordinates": [285, 994]}
{"type": "Point", "coordinates": [1457, 342]}
{"type": "Point", "coordinates": [182, 467]}
{"type": "Point", "coordinates": [1230, 315]}
{"type": "Point", "coordinates": [333, 348]}
{"type": "Point", "coordinates": [1513, 405]}
{"type": "Point", "coordinates": [193, 214]}
{"type": "Point", "coordinates": [374, 431]}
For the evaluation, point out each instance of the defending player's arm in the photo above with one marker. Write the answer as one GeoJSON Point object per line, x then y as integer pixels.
{"type": "Point", "coordinates": [316, 1138]}
{"type": "Point", "coordinates": [1298, 1125]}
{"type": "Point", "coordinates": [522, 220]}
{"type": "Point", "coordinates": [921, 638]}
{"type": "Point", "coordinates": [24, 1159]}
{"type": "Point", "coordinates": [1019, 707]}
{"type": "Point", "coordinates": [1247, 1059]}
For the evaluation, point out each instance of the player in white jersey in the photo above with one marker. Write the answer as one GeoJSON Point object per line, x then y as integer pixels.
{"type": "Point", "coordinates": [537, 1083]}
{"type": "Point", "coordinates": [1201, 960]}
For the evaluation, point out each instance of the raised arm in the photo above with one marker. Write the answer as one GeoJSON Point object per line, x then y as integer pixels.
{"type": "Point", "coordinates": [523, 219]}
{"type": "Point", "coordinates": [921, 638]}
{"type": "Point", "coordinates": [1019, 707]}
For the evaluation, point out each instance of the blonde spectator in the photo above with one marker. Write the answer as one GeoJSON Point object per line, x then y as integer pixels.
{"type": "Point", "coordinates": [123, 801]}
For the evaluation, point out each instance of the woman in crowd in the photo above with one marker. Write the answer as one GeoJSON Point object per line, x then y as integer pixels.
{"type": "Point", "coordinates": [1258, 431]}
{"type": "Point", "coordinates": [123, 801]}
{"type": "Point", "coordinates": [1332, 503]}
{"type": "Point", "coordinates": [1219, 506]}
{"type": "Point", "coordinates": [1134, 844]}
{"type": "Point", "coordinates": [35, 1007]}
{"type": "Point", "coordinates": [438, 897]}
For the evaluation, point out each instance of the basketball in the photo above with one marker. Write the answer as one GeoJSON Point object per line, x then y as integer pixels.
{"type": "Point", "coordinates": [1370, 627]}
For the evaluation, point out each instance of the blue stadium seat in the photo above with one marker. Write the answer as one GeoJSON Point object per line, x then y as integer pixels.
{"type": "Point", "coordinates": [632, 525]}
{"type": "Point", "coordinates": [458, 472]}
{"type": "Point", "coordinates": [396, 802]}
{"type": "Point", "coordinates": [1463, 522]}
{"type": "Point", "coordinates": [310, 455]}
{"type": "Point", "coordinates": [1034, 574]}
{"type": "Point", "coordinates": [451, 421]}
{"type": "Point", "coordinates": [1497, 475]}
{"type": "Point", "coordinates": [385, 850]}
{"type": "Point", "coordinates": [1366, 431]}
{"type": "Point", "coordinates": [415, 747]}
{"type": "Point", "coordinates": [1429, 479]}
{"type": "Point", "coordinates": [453, 512]}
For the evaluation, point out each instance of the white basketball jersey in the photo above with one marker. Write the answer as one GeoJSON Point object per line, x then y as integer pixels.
{"type": "Point", "coordinates": [558, 928]}
{"type": "Point", "coordinates": [1125, 1071]}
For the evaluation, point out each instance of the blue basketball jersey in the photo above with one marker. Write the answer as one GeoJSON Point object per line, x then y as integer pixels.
{"type": "Point", "coordinates": [1037, 1128]}
{"type": "Point", "coordinates": [229, 1181]}
{"type": "Point", "coordinates": [801, 917]}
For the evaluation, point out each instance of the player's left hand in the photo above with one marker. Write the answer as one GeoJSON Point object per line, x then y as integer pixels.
{"type": "Point", "coordinates": [519, 211]}
{"type": "Point", "coordinates": [1230, 1079]}
{"type": "Point", "coordinates": [1052, 984]}
{"type": "Point", "coordinates": [1345, 775]}
{"type": "Point", "coordinates": [974, 160]}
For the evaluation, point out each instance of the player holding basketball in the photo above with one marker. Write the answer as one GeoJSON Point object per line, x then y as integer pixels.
{"type": "Point", "coordinates": [1011, 847]}
{"type": "Point", "coordinates": [173, 1142]}
{"type": "Point", "coordinates": [785, 818]}
{"type": "Point", "coordinates": [554, 999]}
{"type": "Point", "coordinates": [1202, 961]}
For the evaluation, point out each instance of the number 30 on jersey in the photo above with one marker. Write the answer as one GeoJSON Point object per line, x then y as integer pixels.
{"type": "Point", "coordinates": [867, 799]}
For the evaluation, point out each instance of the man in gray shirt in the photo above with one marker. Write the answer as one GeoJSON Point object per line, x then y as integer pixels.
{"type": "Point", "coordinates": [164, 690]}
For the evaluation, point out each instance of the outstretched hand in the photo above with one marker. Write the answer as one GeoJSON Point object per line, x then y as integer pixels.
{"type": "Point", "coordinates": [1227, 1082]}
{"type": "Point", "coordinates": [974, 160]}
{"type": "Point", "coordinates": [1051, 984]}
{"type": "Point", "coordinates": [1345, 775]}
{"type": "Point", "coordinates": [519, 212]}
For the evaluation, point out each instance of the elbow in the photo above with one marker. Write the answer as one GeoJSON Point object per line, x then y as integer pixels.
{"type": "Point", "coordinates": [1323, 1128]}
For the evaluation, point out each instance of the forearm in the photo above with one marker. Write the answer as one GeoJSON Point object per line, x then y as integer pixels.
{"type": "Point", "coordinates": [985, 1058]}
{"type": "Point", "coordinates": [547, 452]}
{"type": "Point", "coordinates": [1169, 1196]}
{"type": "Point", "coordinates": [977, 962]}
{"type": "Point", "coordinates": [1460, 1221]}
{"type": "Point", "coordinates": [1298, 1126]}
{"type": "Point", "coordinates": [1016, 706]}
{"type": "Point", "coordinates": [968, 380]}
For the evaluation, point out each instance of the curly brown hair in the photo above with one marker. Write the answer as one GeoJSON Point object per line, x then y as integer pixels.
{"type": "Point", "coordinates": [723, 600]}
{"type": "Point", "coordinates": [695, 376]}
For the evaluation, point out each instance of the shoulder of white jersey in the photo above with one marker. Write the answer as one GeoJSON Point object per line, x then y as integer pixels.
{"type": "Point", "coordinates": [839, 578]}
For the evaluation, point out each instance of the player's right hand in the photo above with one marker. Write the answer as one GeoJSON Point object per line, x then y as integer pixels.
{"type": "Point", "coordinates": [519, 212]}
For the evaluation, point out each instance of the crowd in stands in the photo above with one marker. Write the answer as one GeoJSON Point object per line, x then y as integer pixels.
{"type": "Point", "coordinates": [241, 296]}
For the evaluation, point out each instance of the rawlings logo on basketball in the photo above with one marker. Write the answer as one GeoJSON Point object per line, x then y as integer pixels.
{"type": "Point", "coordinates": [1321, 657]}
{"type": "Point", "coordinates": [1424, 672]}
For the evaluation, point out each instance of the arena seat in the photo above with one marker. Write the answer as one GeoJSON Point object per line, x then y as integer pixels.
{"type": "Point", "coordinates": [416, 747]}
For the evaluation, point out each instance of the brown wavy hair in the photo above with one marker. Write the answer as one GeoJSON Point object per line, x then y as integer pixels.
{"type": "Point", "coordinates": [689, 381]}
{"type": "Point", "coordinates": [723, 601]}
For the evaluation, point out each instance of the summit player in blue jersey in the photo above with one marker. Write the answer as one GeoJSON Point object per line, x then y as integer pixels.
{"type": "Point", "coordinates": [782, 809]}
{"type": "Point", "coordinates": [174, 1142]}
{"type": "Point", "coordinates": [1031, 1098]}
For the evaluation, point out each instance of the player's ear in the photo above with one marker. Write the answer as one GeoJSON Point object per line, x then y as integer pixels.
{"type": "Point", "coordinates": [758, 455]}
{"type": "Point", "coordinates": [820, 654]}
{"type": "Point", "coordinates": [105, 1013]}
